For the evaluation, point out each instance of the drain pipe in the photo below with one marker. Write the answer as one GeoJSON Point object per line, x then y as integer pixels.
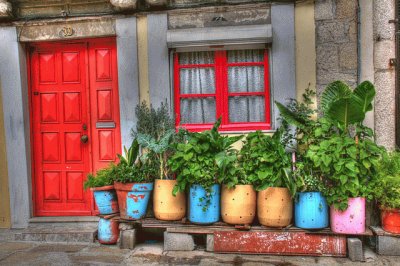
{"type": "Point", "coordinates": [365, 44]}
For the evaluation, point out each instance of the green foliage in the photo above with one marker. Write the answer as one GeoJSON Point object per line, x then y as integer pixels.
{"type": "Point", "coordinates": [265, 161]}
{"type": "Point", "coordinates": [232, 170]}
{"type": "Point", "coordinates": [348, 165]}
{"type": "Point", "coordinates": [203, 159]}
{"type": "Point", "coordinates": [103, 177]}
{"type": "Point", "coordinates": [305, 178]}
{"type": "Point", "coordinates": [153, 122]}
{"type": "Point", "coordinates": [346, 107]}
{"type": "Point", "coordinates": [387, 190]}
{"type": "Point", "coordinates": [133, 168]}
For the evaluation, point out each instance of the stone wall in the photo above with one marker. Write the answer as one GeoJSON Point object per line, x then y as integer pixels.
{"type": "Point", "coordinates": [336, 41]}
{"type": "Point", "coordinates": [385, 74]}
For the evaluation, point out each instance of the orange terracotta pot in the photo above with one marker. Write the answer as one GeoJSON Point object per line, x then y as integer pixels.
{"type": "Point", "coordinates": [390, 220]}
{"type": "Point", "coordinates": [274, 207]}
{"type": "Point", "coordinates": [238, 205]}
{"type": "Point", "coordinates": [165, 205]}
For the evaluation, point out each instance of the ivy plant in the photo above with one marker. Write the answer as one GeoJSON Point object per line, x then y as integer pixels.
{"type": "Point", "coordinates": [202, 159]}
{"type": "Point", "coordinates": [103, 177]}
{"type": "Point", "coordinates": [265, 161]}
{"type": "Point", "coordinates": [387, 189]}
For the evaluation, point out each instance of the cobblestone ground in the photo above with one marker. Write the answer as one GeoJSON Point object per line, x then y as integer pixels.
{"type": "Point", "coordinates": [28, 253]}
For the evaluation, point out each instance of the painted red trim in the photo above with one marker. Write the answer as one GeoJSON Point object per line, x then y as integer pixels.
{"type": "Point", "coordinates": [222, 94]}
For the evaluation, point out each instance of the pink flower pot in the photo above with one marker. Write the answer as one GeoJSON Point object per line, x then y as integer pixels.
{"type": "Point", "coordinates": [350, 221]}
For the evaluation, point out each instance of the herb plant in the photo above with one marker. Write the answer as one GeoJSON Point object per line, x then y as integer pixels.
{"type": "Point", "coordinates": [103, 177]}
{"type": "Point", "coordinates": [201, 160]}
{"type": "Point", "coordinates": [387, 189]}
{"type": "Point", "coordinates": [265, 161]}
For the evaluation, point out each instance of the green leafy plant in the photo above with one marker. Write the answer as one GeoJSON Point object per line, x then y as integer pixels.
{"type": "Point", "coordinates": [232, 171]}
{"type": "Point", "coordinates": [133, 168]}
{"type": "Point", "coordinates": [265, 161]}
{"type": "Point", "coordinates": [387, 188]}
{"type": "Point", "coordinates": [103, 177]}
{"type": "Point", "coordinates": [349, 165]}
{"type": "Point", "coordinates": [306, 179]}
{"type": "Point", "coordinates": [201, 160]}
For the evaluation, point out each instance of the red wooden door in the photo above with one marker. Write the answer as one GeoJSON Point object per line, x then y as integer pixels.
{"type": "Point", "coordinates": [61, 104]}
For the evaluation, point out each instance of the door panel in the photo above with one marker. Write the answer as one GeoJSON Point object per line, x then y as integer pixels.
{"type": "Point", "coordinates": [65, 80]}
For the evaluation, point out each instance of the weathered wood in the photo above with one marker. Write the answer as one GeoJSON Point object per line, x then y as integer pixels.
{"type": "Point", "coordinates": [280, 243]}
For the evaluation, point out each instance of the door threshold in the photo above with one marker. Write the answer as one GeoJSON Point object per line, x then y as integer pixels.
{"type": "Point", "coordinates": [64, 219]}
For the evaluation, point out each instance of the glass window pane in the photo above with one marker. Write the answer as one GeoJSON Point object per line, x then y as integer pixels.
{"type": "Point", "coordinates": [198, 110]}
{"type": "Point", "coordinates": [240, 56]}
{"type": "Point", "coordinates": [246, 79]}
{"type": "Point", "coordinates": [197, 80]}
{"type": "Point", "coordinates": [247, 109]}
{"type": "Point", "coordinates": [195, 58]}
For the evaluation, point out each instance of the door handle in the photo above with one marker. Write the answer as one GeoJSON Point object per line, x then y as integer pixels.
{"type": "Point", "coordinates": [84, 138]}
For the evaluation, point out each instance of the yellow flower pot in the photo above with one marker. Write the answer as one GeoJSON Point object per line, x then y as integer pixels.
{"type": "Point", "coordinates": [238, 205]}
{"type": "Point", "coordinates": [274, 207]}
{"type": "Point", "coordinates": [166, 206]}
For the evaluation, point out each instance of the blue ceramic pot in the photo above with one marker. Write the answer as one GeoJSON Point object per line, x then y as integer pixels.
{"type": "Point", "coordinates": [105, 199]}
{"type": "Point", "coordinates": [108, 231]}
{"type": "Point", "coordinates": [311, 210]}
{"type": "Point", "coordinates": [203, 208]}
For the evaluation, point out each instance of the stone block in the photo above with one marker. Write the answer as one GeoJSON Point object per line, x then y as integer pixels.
{"type": "Point", "coordinates": [332, 32]}
{"type": "Point", "coordinates": [388, 245]}
{"type": "Point", "coordinates": [384, 51]}
{"type": "Point", "coordinates": [324, 9]}
{"type": "Point", "coordinates": [346, 9]}
{"type": "Point", "coordinates": [127, 239]}
{"type": "Point", "coordinates": [125, 226]}
{"type": "Point", "coordinates": [325, 77]}
{"type": "Point", "coordinates": [178, 242]}
{"type": "Point", "coordinates": [355, 249]}
{"type": "Point", "coordinates": [210, 243]}
{"type": "Point", "coordinates": [348, 56]}
{"type": "Point", "coordinates": [384, 10]}
{"type": "Point", "coordinates": [327, 57]}
{"type": "Point", "coordinates": [124, 4]}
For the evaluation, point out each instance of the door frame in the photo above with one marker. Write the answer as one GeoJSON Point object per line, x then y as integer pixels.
{"type": "Point", "coordinates": [88, 111]}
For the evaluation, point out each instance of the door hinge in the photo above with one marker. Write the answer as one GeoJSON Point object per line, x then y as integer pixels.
{"type": "Point", "coordinates": [35, 93]}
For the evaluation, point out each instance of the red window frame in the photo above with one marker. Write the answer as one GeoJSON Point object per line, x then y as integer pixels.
{"type": "Point", "coordinates": [222, 94]}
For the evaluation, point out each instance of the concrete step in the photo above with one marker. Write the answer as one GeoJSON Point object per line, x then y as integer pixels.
{"type": "Point", "coordinates": [60, 229]}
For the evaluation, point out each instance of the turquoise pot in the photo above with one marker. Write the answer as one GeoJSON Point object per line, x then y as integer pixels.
{"type": "Point", "coordinates": [311, 210]}
{"type": "Point", "coordinates": [203, 208]}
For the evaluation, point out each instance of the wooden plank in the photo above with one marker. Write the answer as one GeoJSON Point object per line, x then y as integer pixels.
{"type": "Point", "coordinates": [279, 243]}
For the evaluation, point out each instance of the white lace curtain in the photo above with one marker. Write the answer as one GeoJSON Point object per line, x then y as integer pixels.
{"type": "Point", "coordinates": [240, 79]}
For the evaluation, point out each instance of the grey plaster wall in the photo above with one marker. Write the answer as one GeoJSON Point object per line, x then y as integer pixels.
{"type": "Point", "coordinates": [385, 74]}
{"type": "Point", "coordinates": [16, 121]}
{"type": "Point", "coordinates": [283, 75]}
{"type": "Point", "coordinates": [158, 59]}
{"type": "Point", "coordinates": [336, 41]}
{"type": "Point", "coordinates": [128, 79]}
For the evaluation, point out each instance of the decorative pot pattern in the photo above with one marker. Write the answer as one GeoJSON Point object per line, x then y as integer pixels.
{"type": "Point", "coordinates": [198, 199]}
{"type": "Point", "coordinates": [350, 221]}
{"type": "Point", "coordinates": [391, 220]}
{"type": "Point", "coordinates": [274, 207]}
{"type": "Point", "coordinates": [105, 199]}
{"type": "Point", "coordinates": [133, 199]}
{"type": "Point", "coordinates": [238, 205]}
{"type": "Point", "coordinates": [311, 210]}
{"type": "Point", "coordinates": [167, 206]}
{"type": "Point", "coordinates": [108, 231]}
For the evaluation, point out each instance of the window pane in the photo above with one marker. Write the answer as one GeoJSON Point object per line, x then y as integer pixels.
{"type": "Point", "coordinates": [198, 110]}
{"type": "Point", "coordinates": [247, 109]}
{"type": "Point", "coordinates": [240, 56]}
{"type": "Point", "coordinates": [246, 79]}
{"type": "Point", "coordinates": [197, 80]}
{"type": "Point", "coordinates": [195, 58]}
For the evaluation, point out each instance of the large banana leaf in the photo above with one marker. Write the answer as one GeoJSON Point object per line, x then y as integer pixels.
{"type": "Point", "coordinates": [291, 117]}
{"type": "Point", "coordinates": [340, 104]}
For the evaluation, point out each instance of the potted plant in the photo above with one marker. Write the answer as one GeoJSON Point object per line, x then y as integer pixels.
{"type": "Point", "coordinates": [348, 157]}
{"type": "Point", "coordinates": [155, 132]}
{"type": "Point", "coordinates": [387, 192]}
{"type": "Point", "coordinates": [133, 182]}
{"type": "Point", "coordinates": [103, 189]}
{"type": "Point", "coordinates": [194, 163]}
{"type": "Point", "coordinates": [311, 208]}
{"type": "Point", "coordinates": [238, 196]}
{"type": "Point", "coordinates": [267, 165]}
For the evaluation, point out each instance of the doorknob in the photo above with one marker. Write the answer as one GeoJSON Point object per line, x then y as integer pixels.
{"type": "Point", "coordinates": [84, 138]}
